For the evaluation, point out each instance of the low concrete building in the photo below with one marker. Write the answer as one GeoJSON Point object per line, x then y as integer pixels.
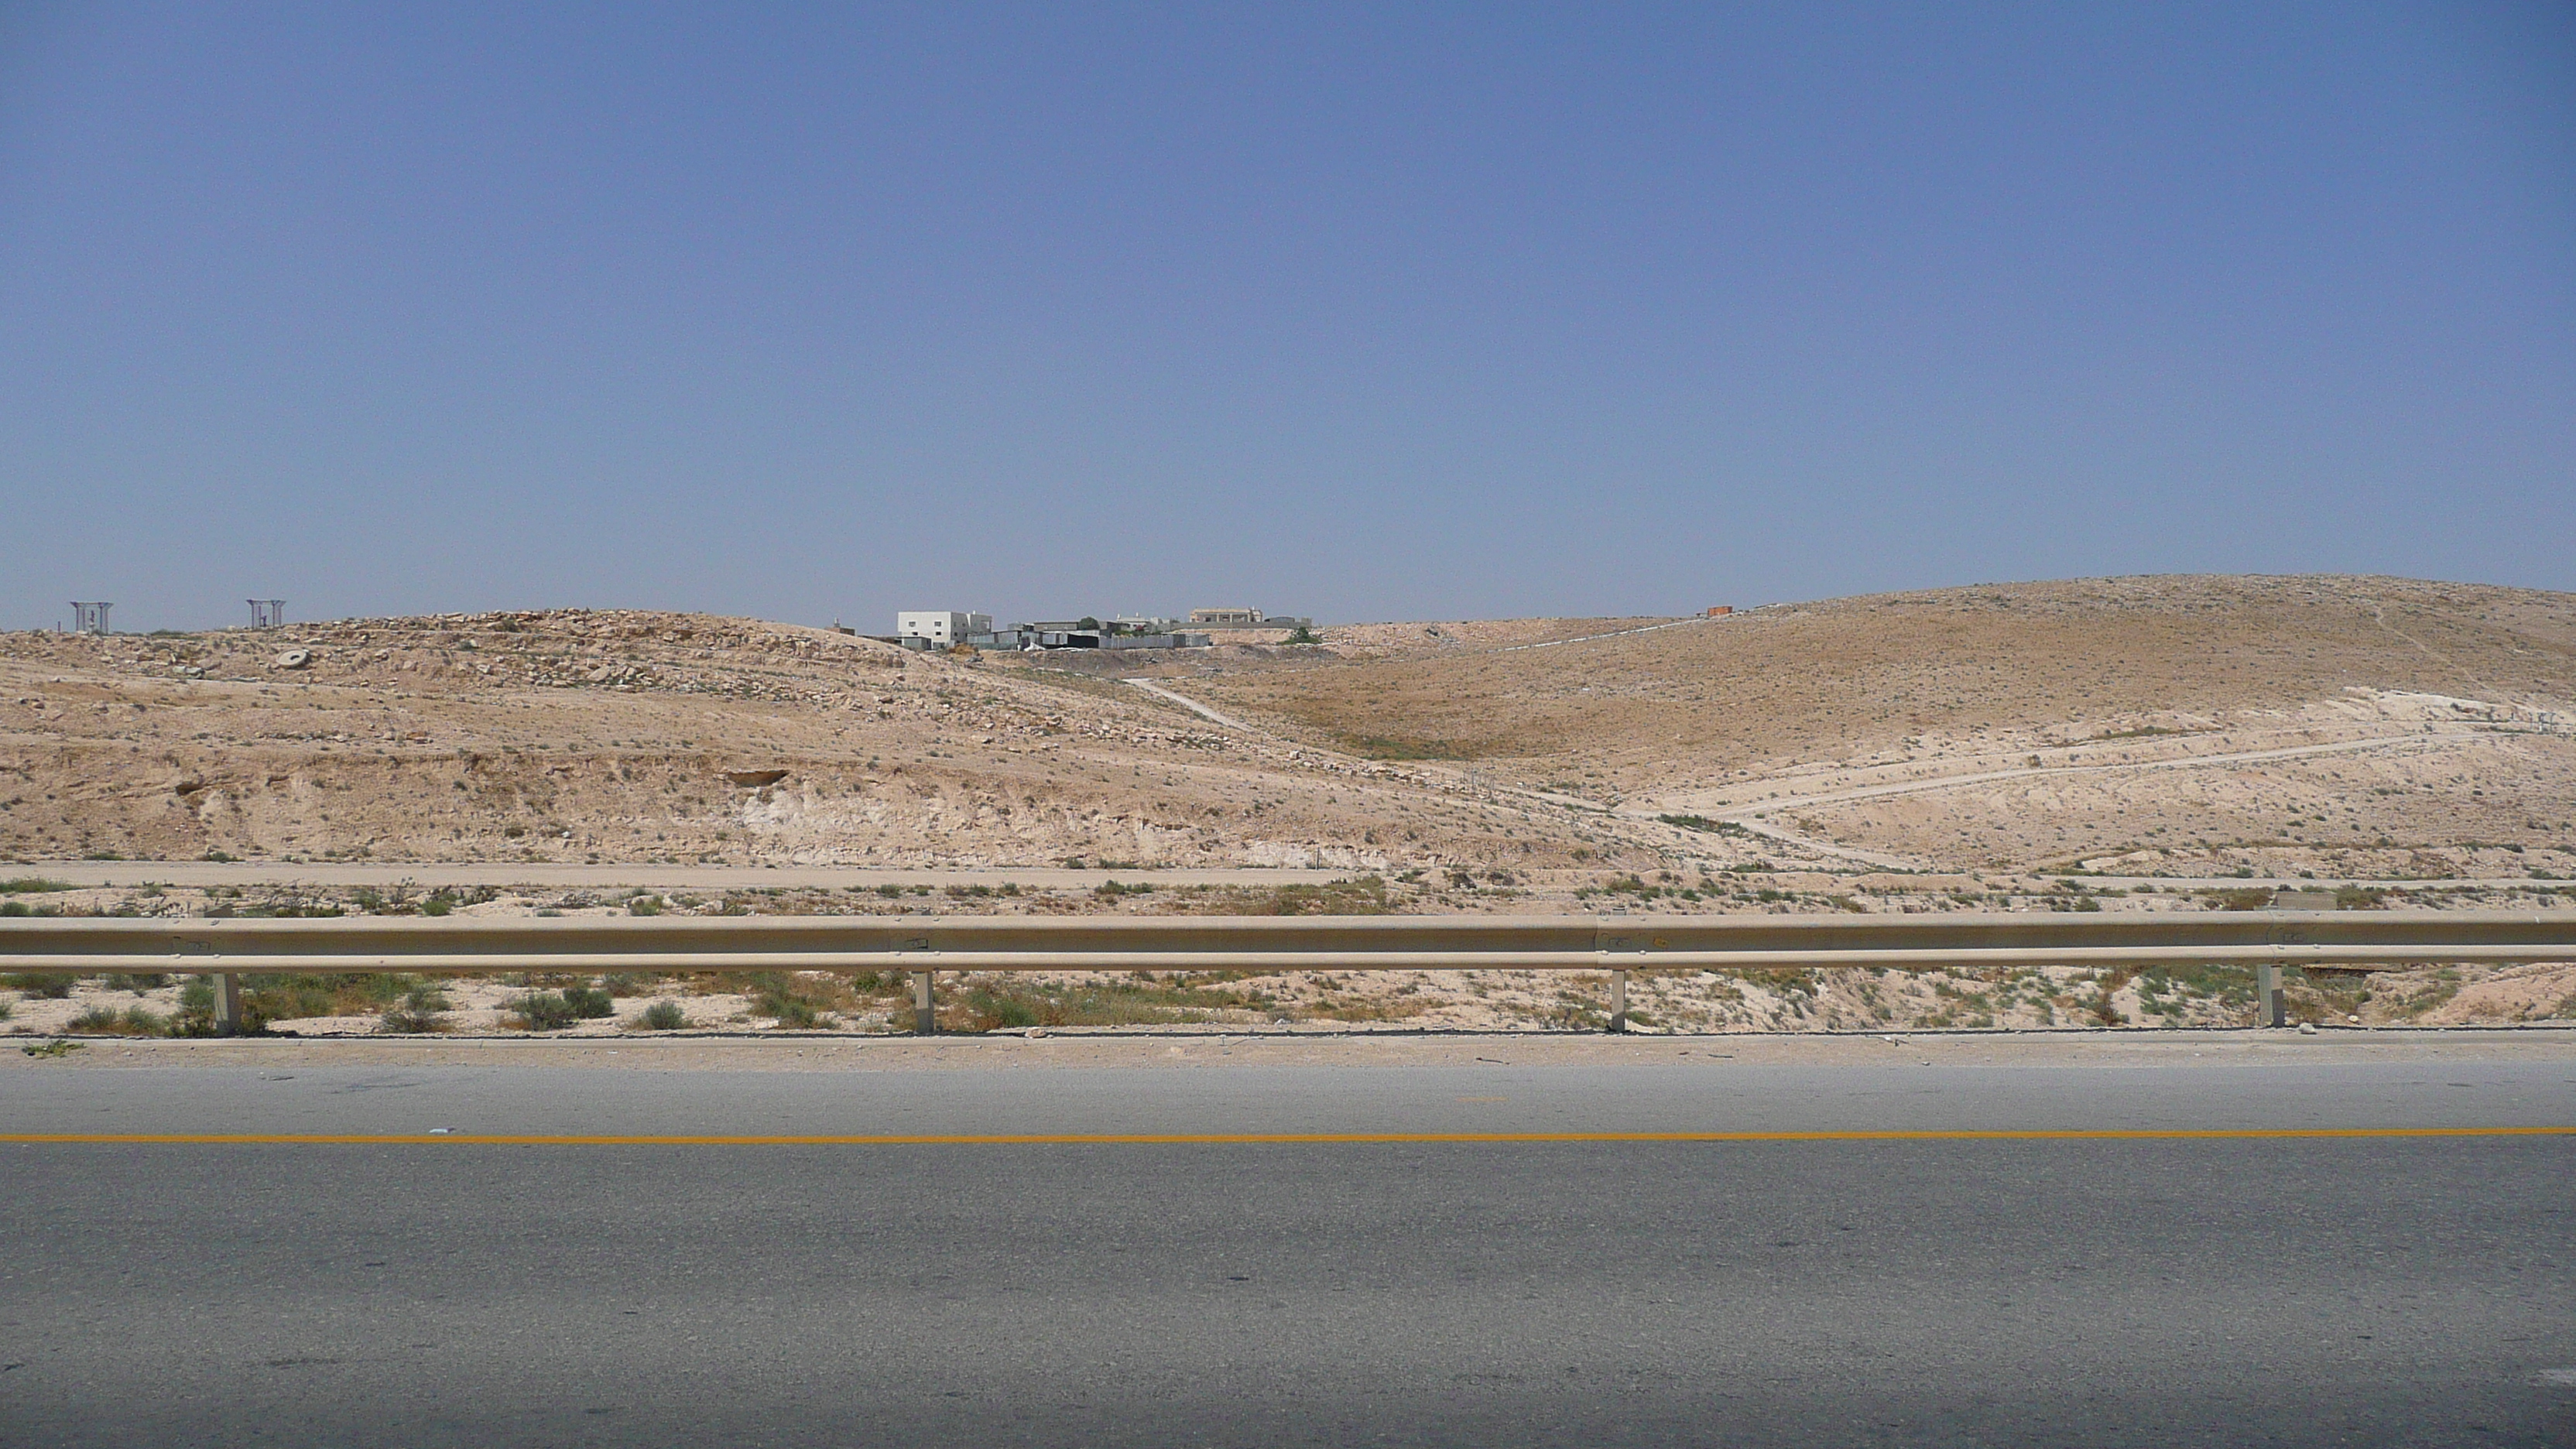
{"type": "Point", "coordinates": [1244, 619]}
{"type": "Point", "coordinates": [940, 626]}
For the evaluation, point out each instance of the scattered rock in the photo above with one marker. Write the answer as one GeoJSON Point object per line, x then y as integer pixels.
{"type": "Point", "coordinates": [755, 779]}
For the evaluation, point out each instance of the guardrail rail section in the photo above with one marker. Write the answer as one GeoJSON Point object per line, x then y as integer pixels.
{"type": "Point", "coordinates": [227, 949]}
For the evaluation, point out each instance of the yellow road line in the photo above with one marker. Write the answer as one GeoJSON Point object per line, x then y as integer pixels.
{"type": "Point", "coordinates": [1223, 1139]}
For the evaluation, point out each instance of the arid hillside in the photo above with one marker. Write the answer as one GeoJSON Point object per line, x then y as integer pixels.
{"type": "Point", "coordinates": [575, 735]}
{"type": "Point", "coordinates": [2184, 726]}
{"type": "Point", "coordinates": [2148, 725]}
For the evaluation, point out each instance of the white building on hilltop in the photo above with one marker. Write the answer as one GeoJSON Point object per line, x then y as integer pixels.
{"type": "Point", "coordinates": [940, 626]}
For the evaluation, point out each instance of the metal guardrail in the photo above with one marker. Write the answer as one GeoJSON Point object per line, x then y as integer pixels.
{"type": "Point", "coordinates": [228, 949]}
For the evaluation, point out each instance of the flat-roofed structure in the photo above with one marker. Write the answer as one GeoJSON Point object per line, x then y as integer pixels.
{"type": "Point", "coordinates": [940, 626]}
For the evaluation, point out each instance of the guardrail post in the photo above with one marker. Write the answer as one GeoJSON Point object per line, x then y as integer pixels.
{"type": "Point", "coordinates": [1619, 999]}
{"type": "Point", "coordinates": [924, 1020]}
{"type": "Point", "coordinates": [228, 1008]}
{"type": "Point", "coordinates": [2270, 1008]}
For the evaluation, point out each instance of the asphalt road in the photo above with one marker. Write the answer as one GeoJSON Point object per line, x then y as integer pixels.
{"type": "Point", "coordinates": [1798, 1289]}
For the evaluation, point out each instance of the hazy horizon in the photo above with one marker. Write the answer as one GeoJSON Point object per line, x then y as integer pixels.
{"type": "Point", "coordinates": [1441, 313]}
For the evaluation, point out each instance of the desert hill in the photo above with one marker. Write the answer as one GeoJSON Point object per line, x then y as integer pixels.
{"type": "Point", "coordinates": [576, 735]}
{"type": "Point", "coordinates": [2172, 725]}
{"type": "Point", "coordinates": [2027, 724]}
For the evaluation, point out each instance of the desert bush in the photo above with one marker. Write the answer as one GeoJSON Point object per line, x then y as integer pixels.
{"type": "Point", "coordinates": [27, 884]}
{"type": "Point", "coordinates": [196, 1013]}
{"type": "Point", "coordinates": [342, 993]}
{"type": "Point", "coordinates": [401, 1020]}
{"type": "Point", "coordinates": [1012, 1004]}
{"type": "Point", "coordinates": [108, 1021]}
{"type": "Point", "coordinates": [1363, 896]}
{"type": "Point", "coordinates": [50, 985]}
{"type": "Point", "coordinates": [419, 1011]}
{"type": "Point", "coordinates": [797, 1001]}
{"type": "Point", "coordinates": [545, 1010]}
{"type": "Point", "coordinates": [663, 1016]}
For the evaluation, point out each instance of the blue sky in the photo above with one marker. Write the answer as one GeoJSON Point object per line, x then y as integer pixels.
{"type": "Point", "coordinates": [1360, 312]}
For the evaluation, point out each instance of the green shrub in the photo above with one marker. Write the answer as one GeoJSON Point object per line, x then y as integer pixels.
{"type": "Point", "coordinates": [52, 986]}
{"type": "Point", "coordinates": [644, 906]}
{"type": "Point", "coordinates": [994, 1011]}
{"type": "Point", "coordinates": [32, 883]}
{"type": "Point", "coordinates": [196, 1013]}
{"type": "Point", "coordinates": [797, 1002]}
{"type": "Point", "coordinates": [107, 1020]}
{"type": "Point", "coordinates": [589, 1002]}
{"type": "Point", "coordinates": [417, 1012]}
{"type": "Point", "coordinates": [664, 1016]}
{"type": "Point", "coordinates": [437, 903]}
{"type": "Point", "coordinates": [545, 1010]}
{"type": "Point", "coordinates": [338, 993]}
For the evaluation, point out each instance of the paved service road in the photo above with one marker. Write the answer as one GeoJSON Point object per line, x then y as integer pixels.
{"type": "Point", "coordinates": [426, 875]}
{"type": "Point", "coordinates": [1481, 1288]}
{"type": "Point", "coordinates": [549, 876]}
